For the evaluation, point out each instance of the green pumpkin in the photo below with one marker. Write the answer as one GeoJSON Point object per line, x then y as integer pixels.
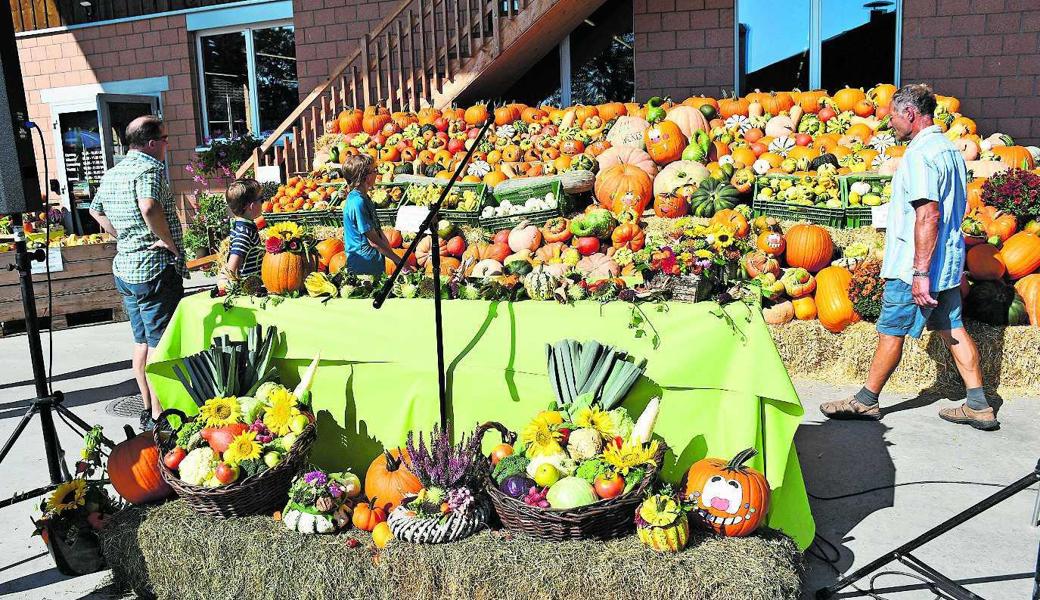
{"type": "Point", "coordinates": [540, 285]}
{"type": "Point", "coordinates": [1017, 314]}
{"type": "Point", "coordinates": [518, 267]}
{"type": "Point", "coordinates": [712, 196]}
{"type": "Point", "coordinates": [431, 170]}
{"type": "Point", "coordinates": [584, 162]}
{"type": "Point", "coordinates": [404, 168]}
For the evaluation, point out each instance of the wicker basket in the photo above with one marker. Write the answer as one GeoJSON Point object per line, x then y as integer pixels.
{"type": "Point", "coordinates": [439, 530]}
{"type": "Point", "coordinates": [259, 494]}
{"type": "Point", "coordinates": [603, 520]}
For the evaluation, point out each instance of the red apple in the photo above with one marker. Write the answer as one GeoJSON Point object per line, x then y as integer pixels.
{"type": "Point", "coordinates": [502, 237]}
{"type": "Point", "coordinates": [456, 145]}
{"type": "Point", "coordinates": [379, 139]}
{"type": "Point", "coordinates": [441, 124]}
{"type": "Point", "coordinates": [455, 246]}
{"type": "Point", "coordinates": [174, 457]}
{"type": "Point", "coordinates": [473, 133]}
{"type": "Point", "coordinates": [803, 139]}
{"type": "Point", "coordinates": [390, 129]}
{"type": "Point", "coordinates": [609, 485]}
{"type": "Point", "coordinates": [587, 246]}
{"type": "Point", "coordinates": [226, 473]}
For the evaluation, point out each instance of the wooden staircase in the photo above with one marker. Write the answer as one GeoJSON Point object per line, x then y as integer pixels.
{"type": "Point", "coordinates": [425, 53]}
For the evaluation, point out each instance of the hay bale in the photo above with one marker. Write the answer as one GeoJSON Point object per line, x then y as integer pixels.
{"type": "Point", "coordinates": [174, 553]}
{"type": "Point", "coordinates": [1008, 356]}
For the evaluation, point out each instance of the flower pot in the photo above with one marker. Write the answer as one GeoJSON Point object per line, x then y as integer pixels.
{"type": "Point", "coordinates": [79, 556]}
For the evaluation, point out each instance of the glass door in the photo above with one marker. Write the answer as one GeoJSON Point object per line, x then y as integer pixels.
{"type": "Point", "coordinates": [114, 113]}
{"type": "Point", "coordinates": [81, 164]}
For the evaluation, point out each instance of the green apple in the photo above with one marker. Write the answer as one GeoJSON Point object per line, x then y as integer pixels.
{"type": "Point", "coordinates": [288, 440]}
{"type": "Point", "coordinates": [271, 459]}
{"type": "Point", "coordinates": [546, 475]}
{"type": "Point", "coordinates": [299, 423]}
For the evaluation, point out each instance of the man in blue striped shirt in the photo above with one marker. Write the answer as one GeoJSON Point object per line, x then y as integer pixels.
{"type": "Point", "coordinates": [923, 263]}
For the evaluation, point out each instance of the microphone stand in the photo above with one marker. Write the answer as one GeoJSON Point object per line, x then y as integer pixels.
{"type": "Point", "coordinates": [430, 224]}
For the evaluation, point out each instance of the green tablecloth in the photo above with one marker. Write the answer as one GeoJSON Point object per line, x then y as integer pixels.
{"type": "Point", "coordinates": [723, 387]}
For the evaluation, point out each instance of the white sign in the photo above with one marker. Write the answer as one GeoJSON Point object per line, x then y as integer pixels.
{"type": "Point", "coordinates": [409, 218]}
{"type": "Point", "coordinates": [272, 174]}
{"type": "Point", "coordinates": [54, 254]}
{"type": "Point", "coordinates": [879, 216]}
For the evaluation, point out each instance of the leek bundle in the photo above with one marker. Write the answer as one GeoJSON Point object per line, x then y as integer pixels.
{"type": "Point", "coordinates": [604, 372]}
{"type": "Point", "coordinates": [229, 368]}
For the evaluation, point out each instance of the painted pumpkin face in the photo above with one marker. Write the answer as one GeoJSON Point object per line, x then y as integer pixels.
{"type": "Point", "coordinates": [730, 498]}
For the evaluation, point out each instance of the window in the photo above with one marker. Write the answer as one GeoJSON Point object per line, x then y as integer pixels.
{"type": "Point", "coordinates": [247, 80]}
{"type": "Point", "coordinates": [817, 43]}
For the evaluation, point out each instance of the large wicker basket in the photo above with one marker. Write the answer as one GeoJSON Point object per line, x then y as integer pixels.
{"type": "Point", "coordinates": [603, 520]}
{"type": "Point", "coordinates": [259, 494]}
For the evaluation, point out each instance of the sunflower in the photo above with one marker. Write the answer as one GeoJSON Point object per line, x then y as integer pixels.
{"type": "Point", "coordinates": [286, 231]}
{"type": "Point", "coordinates": [628, 456]}
{"type": "Point", "coordinates": [280, 413]}
{"type": "Point", "coordinates": [595, 418]}
{"type": "Point", "coordinates": [549, 417]}
{"type": "Point", "coordinates": [68, 496]}
{"type": "Point", "coordinates": [221, 411]}
{"type": "Point", "coordinates": [242, 448]}
{"type": "Point", "coordinates": [540, 440]}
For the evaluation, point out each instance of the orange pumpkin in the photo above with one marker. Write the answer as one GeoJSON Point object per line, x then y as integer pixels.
{"type": "Point", "coordinates": [1002, 226]}
{"type": "Point", "coordinates": [337, 263]}
{"type": "Point", "coordinates": [1029, 289]}
{"type": "Point", "coordinates": [389, 479]}
{"type": "Point", "coordinates": [284, 272]}
{"type": "Point", "coordinates": [326, 250]}
{"type": "Point", "coordinates": [759, 263]}
{"type": "Point", "coordinates": [809, 247]}
{"type": "Point", "coordinates": [733, 106]}
{"type": "Point", "coordinates": [350, 121]}
{"type": "Point", "coordinates": [449, 265]}
{"type": "Point", "coordinates": [1021, 254]}
{"type": "Point", "coordinates": [804, 308]}
{"type": "Point", "coordinates": [846, 98]}
{"type": "Point", "coordinates": [728, 496]}
{"type": "Point", "coordinates": [366, 517]}
{"type": "Point", "coordinates": [622, 187]}
{"type": "Point", "coordinates": [832, 299]}
{"type": "Point", "coordinates": [374, 120]}
{"type": "Point", "coordinates": [733, 220]}
{"type": "Point", "coordinates": [809, 101]}
{"type": "Point", "coordinates": [476, 114]}
{"type": "Point", "coordinates": [505, 115]}
{"type": "Point", "coordinates": [881, 94]}
{"type": "Point", "coordinates": [628, 235]}
{"type": "Point", "coordinates": [671, 206]}
{"type": "Point", "coordinates": [664, 142]}
{"type": "Point", "coordinates": [391, 265]}
{"type": "Point", "coordinates": [771, 242]}
{"type": "Point", "coordinates": [984, 263]}
{"type": "Point", "coordinates": [1014, 156]}
{"type": "Point", "coordinates": [775, 103]}
{"type": "Point", "coordinates": [611, 110]}
{"type": "Point", "coordinates": [974, 192]}
{"type": "Point", "coordinates": [393, 237]}
{"type": "Point", "coordinates": [133, 468]}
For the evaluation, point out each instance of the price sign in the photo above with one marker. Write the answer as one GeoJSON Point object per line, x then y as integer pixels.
{"type": "Point", "coordinates": [271, 174]}
{"type": "Point", "coordinates": [879, 216]}
{"type": "Point", "coordinates": [54, 255]}
{"type": "Point", "coordinates": [409, 218]}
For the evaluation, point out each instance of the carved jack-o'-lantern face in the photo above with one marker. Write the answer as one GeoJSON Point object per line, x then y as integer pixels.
{"type": "Point", "coordinates": [730, 498]}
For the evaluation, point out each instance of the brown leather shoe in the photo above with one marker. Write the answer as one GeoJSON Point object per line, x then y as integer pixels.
{"type": "Point", "coordinates": [985, 419]}
{"type": "Point", "coordinates": [850, 409]}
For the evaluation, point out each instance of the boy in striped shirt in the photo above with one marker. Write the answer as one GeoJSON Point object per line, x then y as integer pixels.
{"type": "Point", "coordinates": [246, 253]}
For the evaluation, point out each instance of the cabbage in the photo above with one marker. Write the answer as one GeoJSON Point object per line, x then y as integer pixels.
{"type": "Point", "coordinates": [622, 423]}
{"type": "Point", "coordinates": [570, 492]}
{"type": "Point", "coordinates": [265, 390]}
{"type": "Point", "coordinates": [251, 408]}
{"type": "Point", "coordinates": [197, 466]}
{"type": "Point", "coordinates": [564, 464]}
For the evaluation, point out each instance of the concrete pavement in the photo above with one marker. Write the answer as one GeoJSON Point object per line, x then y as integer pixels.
{"type": "Point", "coordinates": [994, 553]}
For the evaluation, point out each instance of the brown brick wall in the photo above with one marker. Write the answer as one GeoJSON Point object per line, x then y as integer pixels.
{"type": "Point", "coordinates": [134, 50]}
{"type": "Point", "coordinates": [327, 31]}
{"type": "Point", "coordinates": [683, 47]}
{"type": "Point", "coordinates": [985, 52]}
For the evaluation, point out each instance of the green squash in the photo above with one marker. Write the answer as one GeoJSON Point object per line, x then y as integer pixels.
{"type": "Point", "coordinates": [712, 196]}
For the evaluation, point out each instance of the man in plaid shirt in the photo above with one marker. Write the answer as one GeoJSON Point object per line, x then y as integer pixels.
{"type": "Point", "coordinates": [134, 204]}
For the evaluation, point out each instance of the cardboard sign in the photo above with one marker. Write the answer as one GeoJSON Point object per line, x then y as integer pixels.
{"type": "Point", "coordinates": [409, 218]}
{"type": "Point", "coordinates": [879, 216]}
{"type": "Point", "coordinates": [54, 254]}
{"type": "Point", "coordinates": [272, 174]}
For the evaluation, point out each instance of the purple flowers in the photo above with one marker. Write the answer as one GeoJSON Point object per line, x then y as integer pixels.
{"type": "Point", "coordinates": [444, 464]}
{"type": "Point", "coordinates": [335, 490]}
{"type": "Point", "coordinates": [316, 478]}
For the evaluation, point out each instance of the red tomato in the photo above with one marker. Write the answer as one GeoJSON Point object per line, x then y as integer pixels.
{"type": "Point", "coordinates": [609, 485]}
{"type": "Point", "coordinates": [226, 474]}
{"type": "Point", "coordinates": [174, 457]}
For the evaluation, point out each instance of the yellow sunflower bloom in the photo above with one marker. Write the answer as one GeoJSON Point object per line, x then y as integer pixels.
{"type": "Point", "coordinates": [595, 418]}
{"type": "Point", "coordinates": [221, 411]}
{"type": "Point", "coordinates": [243, 447]}
{"type": "Point", "coordinates": [702, 253]}
{"type": "Point", "coordinates": [279, 415]}
{"type": "Point", "coordinates": [549, 417]}
{"type": "Point", "coordinates": [68, 496]}
{"type": "Point", "coordinates": [287, 231]}
{"type": "Point", "coordinates": [628, 456]}
{"type": "Point", "coordinates": [540, 440]}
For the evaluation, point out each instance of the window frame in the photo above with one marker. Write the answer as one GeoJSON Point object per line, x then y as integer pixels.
{"type": "Point", "coordinates": [815, 44]}
{"type": "Point", "coordinates": [254, 98]}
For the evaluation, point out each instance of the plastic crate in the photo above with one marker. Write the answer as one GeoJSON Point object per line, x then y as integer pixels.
{"type": "Point", "coordinates": [310, 218]}
{"type": "Point", "coordinates": [858, 216]}
{"type": "Point", "coordinates": [461, 217]}
{"type": "Point", "coordinates": [519, 196]}
{"type": "Point", "coordinates": [832, 217]}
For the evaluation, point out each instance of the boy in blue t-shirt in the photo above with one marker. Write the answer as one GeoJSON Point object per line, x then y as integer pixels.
{"type": "Point", "coordinates": [363, 240]}
{"type": "Point", "coordinates": [246, 253]}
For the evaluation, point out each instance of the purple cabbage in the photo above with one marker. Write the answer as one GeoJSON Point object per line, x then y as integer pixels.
{"type": "Point", "coordinates": [515, 486]}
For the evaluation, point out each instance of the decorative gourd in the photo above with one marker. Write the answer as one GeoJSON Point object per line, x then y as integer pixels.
{"type": "Point", "coordinates": [671, 206]}
{"type": "Point", "coordinates": [498, 251]}
{"type": "Point", "coordinates": [628, 131]}
{"type": "Point", "coordinates": [381, 535]}
{"type": "Point", "coordinates": [729, 497]}
{"type": "Point", "coordinates": [689, 120]}
{"type": "Point", "coordinates": [1028, 288]}
{"type": "Point", "coordinates": [804, 308]}
{"type": "Point", "coordinates": [598, 266]}
{"type": "Point", "coordinates": [525, 237]}
{"type": "Point", "coordinates": [449, 264]}
{"type": "Point", "coordinates": [732, 219]}
{"type": "Point", "coordinates": [771, 242]}
{"type": "Point", "coordinates": [832, 299]}
{"type": "Point", "coordinates": [984, 264]}
{"type": "Point", "coordinates": [133, 468]}
{"type": "Point", "coordinates": [486, 268]}
{"type": "Point", "coordinates": [624, 187]}
{"type": "Point", "coordinates": [781, 126]}
{"type": "Point", "coordinates": [798, 282]}
{"type": "Point", "coordinates": [628, 235]}
{"type": "Point", "coordinates": [662, 524]}
{"type": "Point", "coordinates": [393, 236]}
{"type": "Point", "coordinates": [425, 248]}
{"type": "Point", "coordinates": [759, 263]}
{"type": "Point", "coordinates": [677, 174]}
{"type": "Point", "coordinates": [780, 313]}
{"type": "Point", "coordinates": [550, 253]}
{"type": "Point", "coordinates": [366, 516]}
{"type": "Point", "coordinates": [809, 247]}
{"type": "Point", "coordinates": [627, 155]}
{"type": "Point", "coordinates": [389, 480]}
{"type": "Point", "coordinates": [1021, 254]}
{"type": "Point", "coordinates": [285, 272]}
{"type": "Point", "coordinates": [540, 284]}
{"type": "Point", "coordinates": [326, 250]}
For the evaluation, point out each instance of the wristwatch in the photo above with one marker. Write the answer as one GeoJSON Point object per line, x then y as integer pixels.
{"type": "Point", "coordinates": [917, 273]}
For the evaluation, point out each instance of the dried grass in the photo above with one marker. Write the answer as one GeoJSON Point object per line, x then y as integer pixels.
{"type": "Point", "coordinates": [1008, 355]}
{"type": "Point", "coordinates": [177, 554]}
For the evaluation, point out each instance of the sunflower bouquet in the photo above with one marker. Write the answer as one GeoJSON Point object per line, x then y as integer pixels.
{"type": "Point", "coordinates": [287, 237]}
{"type": "Point", "coordinates": [692, 248]}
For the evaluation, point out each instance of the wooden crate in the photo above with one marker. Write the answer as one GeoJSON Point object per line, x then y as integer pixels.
{"type": "Point", "coordinates": [84, 285]}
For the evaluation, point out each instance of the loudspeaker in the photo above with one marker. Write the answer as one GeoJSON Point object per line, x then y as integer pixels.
{"type": "Point", "coordinates": [19, 180]}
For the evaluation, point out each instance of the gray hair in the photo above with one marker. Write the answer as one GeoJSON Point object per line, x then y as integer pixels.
{"type": "Point", "coordinates": [918, 96]}
{"type": "Point", "coordinates": [142, 130]}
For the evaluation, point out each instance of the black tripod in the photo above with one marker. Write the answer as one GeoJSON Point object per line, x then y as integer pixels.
{"type": "Point", "coordinates": [937, 579]}
{"type": "Point", "coordinates": [46, 402]}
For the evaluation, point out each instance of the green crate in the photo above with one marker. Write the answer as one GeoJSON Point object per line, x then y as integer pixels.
{"type": "Point", "coordinates": [310, 218]}
{"type": "Point", "coordinates": [832, 217]}
{"type": "Point", "coordinates": [520, 195]}
{"type": "Point", "coordinates": [388, 216]}
{"type": "Point", "coordinates": [858, 216]}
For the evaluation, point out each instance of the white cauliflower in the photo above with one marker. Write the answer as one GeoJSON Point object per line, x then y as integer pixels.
{"type": "Point", "coordinates": [197, 467]}
{"type": "Point", "coordinates": [584, 444]}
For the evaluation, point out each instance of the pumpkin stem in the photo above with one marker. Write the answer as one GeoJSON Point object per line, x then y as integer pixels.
{"type": "Point", "coordinates": [737, 462]}
{"type": "Point", "coordinates": [129, 432]}
{"type": "Point", "coordinates": [392, 464]}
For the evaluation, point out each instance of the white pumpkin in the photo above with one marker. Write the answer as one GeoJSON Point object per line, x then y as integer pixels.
{"type": "Point", "coordinates": [628, 131]}
{"type": "Point", "coordinates": [488, 267]}
{"type": "Point", "coordinates": [678, 174]}
{"type": "Point", "coordinates": [761, 166]}
{"type": "Point", "coordinates": [738, 122]}
{"type": "Point", "coordinates": [781, 126]}
{"type": "Point", "coordinates": [598, 266]}
{"type": "Point", "coordinates": [689, 119]}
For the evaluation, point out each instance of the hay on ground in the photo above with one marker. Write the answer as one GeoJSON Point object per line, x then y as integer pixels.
{"type": "Point", "coordinates": [1008, 355]}
{"type": "Point", "coordinates": [174, 553]}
